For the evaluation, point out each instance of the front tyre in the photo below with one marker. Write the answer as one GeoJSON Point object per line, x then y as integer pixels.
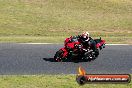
{"type": "Point", "coordinates": [59, 56]}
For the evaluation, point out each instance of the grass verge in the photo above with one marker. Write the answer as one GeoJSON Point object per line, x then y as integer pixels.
{"type": "Point", "coordinates": [52, 20]}
{"type": "Point", "coordinates": [50, 81]}
{"type": "Point", "coordinates": [59, 39]}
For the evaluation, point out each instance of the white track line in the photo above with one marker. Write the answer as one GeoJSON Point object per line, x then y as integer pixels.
{"type": "Point", "coordinates": [117, 44]}
{"type": "Point", "coordinates": [38, 43]}
{"type": "Point", "coordinates": [61, 43]}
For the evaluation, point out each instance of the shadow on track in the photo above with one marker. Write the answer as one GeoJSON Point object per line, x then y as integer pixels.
{"type": "Point", "coordinates": [49, 59]}
{"type": "Point", "coordinates": [74, 61]}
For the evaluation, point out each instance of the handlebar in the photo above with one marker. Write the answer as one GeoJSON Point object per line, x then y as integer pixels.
{"type": "Point", "coordinates": [78, 46]}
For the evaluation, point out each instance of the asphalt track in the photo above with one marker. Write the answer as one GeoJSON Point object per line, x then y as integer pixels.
{"type": "Point", "coordinates": [30, 59]}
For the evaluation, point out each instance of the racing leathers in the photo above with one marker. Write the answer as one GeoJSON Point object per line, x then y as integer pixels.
{"type": "Point", "coordinates": [86, 42]}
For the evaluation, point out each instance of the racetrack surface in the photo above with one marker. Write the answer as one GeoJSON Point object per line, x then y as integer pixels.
{"type": "Point", "coordinates": [29, 59]}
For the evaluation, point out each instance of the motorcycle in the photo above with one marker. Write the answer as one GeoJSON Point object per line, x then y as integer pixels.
{"type": "Point", "coordinates": [74, 50]}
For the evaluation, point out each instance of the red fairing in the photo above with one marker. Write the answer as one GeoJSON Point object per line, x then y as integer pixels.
{"type": "Point", "coordinates": [103, 41]}
{"type": "Point", "coordinates": [100, 44]}
{"type": "Point", "coordinates": [66, 41]}
{"type": "Point", "coordinates": [71, 45]}
{"type": "Point", "coordinates": [65, 52]}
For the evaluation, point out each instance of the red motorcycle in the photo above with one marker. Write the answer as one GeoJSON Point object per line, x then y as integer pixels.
{"type": "Point", "coordinates": [74, 50]}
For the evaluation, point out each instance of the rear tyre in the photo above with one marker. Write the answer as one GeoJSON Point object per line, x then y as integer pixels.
{"type": "Point", "coordinates": [96, 53]}
{"type": "Point", "coordinates": [89, 56]}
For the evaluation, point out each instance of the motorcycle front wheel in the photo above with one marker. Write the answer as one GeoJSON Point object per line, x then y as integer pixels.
{"type": "Point", "coordinates": [59, 56]}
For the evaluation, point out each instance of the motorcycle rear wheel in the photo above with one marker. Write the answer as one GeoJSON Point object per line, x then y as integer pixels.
{"type": "Point", "coordinates": [91, 55]}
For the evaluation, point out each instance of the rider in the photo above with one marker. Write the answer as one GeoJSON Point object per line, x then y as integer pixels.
{"type": "Point", "coordinates": [86, 41]}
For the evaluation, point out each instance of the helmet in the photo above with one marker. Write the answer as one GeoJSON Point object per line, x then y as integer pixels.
{"type": "Point", "coordinates": [85, 35]}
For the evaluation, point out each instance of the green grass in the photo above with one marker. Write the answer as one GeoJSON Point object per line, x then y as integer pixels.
{"type": "Point", "coordinates": [59, 39]}
{"type": "Point", "coordinates": [54, 19]}
{"type": "Point", "coordinates": [50, 81]}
